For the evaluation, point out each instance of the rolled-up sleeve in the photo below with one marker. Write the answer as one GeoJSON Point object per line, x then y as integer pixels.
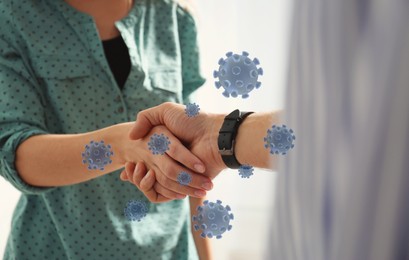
{"type": "Point", "coordinates": [21, 112]}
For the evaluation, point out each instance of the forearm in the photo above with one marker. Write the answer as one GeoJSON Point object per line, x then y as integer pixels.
{"type": "Point", "coordinates": [56, 160]}
{"type": "Point", "coordinates": [203, 246]}
{"type": "Point", "coordinates": [249, 146]}
{"type": "Point", "coordinates": [250, 140]}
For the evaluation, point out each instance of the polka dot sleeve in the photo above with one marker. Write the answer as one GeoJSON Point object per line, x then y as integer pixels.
{"type": "Point", "coordinates": [21, 114]}
{"type": "Point", "coordinates": [191, 73]}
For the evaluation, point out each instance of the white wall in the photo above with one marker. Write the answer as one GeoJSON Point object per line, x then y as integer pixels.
{"type": "Point", "coordinates": [8, 199]}
{"type": "Point", "coordinates": [261, 28]}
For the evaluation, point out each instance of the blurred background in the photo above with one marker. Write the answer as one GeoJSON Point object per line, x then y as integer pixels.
{"type": "Point", "coordinates": [261, 28]}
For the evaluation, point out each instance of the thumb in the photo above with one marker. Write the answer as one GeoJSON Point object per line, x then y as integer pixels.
{"type": "Point", "coordinates": [146, 120]}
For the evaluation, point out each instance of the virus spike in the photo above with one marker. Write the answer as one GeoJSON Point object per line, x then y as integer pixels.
{"type": "Point", "coordinates": [221, 62]}
{"type": "Point", "coordinates": [248, 62]}
{"type": "Point", "coordinates": [236, 58]}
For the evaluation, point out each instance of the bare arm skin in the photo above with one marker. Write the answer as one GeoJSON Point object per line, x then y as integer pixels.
{"type": "Point", "coordinates": [56, 160]}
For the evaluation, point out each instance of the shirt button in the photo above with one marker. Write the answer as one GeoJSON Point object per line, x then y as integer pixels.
{"type": "Point", "coordinates": [118, 99]}
{"type": "Point", "coordinates": [120, 110]}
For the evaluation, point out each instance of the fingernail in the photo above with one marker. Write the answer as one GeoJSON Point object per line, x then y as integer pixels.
{"type": "Point", "coordinates": [200, 193]}
{"type": "Point", "coordinates": [207, 186]}
{"type": "Point", "coordinates": [180, 196]}
{"type": "Point", "coordinates": [148, 175]}
{"type": "Point", "coordinates": [199, 167]}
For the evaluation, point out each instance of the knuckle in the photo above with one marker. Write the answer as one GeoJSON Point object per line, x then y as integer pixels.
{"type": "Point", "coordinates": [167, 104]}
{"type": "Point", "coordinates": [140, 114]}
{"type": "Point", "coordinates": [174, 150]}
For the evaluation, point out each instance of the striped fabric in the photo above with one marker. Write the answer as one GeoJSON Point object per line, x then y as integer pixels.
{"type": "Point", "coordinates": [343, 191]}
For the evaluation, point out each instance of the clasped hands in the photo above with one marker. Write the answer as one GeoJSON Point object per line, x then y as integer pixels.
{"type": "Point", "coordinates": [193, 149]}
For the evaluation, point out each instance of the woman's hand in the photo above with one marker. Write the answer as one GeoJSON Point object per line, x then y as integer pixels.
{"type": "Point", "coordinates": [198, 133]}
{"type": "Point", "coordinates": [160, 183]}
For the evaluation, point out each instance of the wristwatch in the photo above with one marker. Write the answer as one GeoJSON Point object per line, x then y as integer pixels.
{"type": "Point", "coordinates": [227, 137]}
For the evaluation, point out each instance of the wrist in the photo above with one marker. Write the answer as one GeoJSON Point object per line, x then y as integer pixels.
{"type": "Point", "coordinates": [118, 138]}
{"type": "Point", "coordinates": [216, 123]}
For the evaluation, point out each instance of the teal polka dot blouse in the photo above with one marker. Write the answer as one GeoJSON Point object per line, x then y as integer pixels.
{"type": "Point", "coordinates": [54, 78]}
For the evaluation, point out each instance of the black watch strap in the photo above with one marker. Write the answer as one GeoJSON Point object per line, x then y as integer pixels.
{"type": "Point", "coordinates": [227, 137]}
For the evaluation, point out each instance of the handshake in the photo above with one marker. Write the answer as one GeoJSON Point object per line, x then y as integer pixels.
{"type": "Point", "coordinates": [193, 149]}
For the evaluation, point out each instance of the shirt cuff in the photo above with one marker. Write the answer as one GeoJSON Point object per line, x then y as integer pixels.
{"type": "Point", "coordinates": [7, 162]}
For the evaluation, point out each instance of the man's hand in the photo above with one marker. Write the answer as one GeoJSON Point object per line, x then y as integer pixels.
{"type": "Point", "coordinates": [199, 134]}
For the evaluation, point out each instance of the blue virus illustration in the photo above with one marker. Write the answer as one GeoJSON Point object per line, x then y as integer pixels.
{"type": "Point", "coordinates": [192, 110]}
{"type": "Point", "coordinates": [238, 74]}
{"type": "Point", "coordinates": [279, 139]}
{"type": "Point", "coordinates": [213, 219]}
{"type": "Point", "coordinates": [97, 155]}
{"type": "Point", "coordinates": [135, 210]}
{"type": "Point", "coordinates": [245, 171]}
{"type": "Point", "coordinates": [184, 178]}
{"type": "Point", "coordinates": [159, 144]}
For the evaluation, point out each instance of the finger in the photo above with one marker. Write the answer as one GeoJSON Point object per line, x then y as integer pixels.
{"type": "Point", "coordinates": [171, 169]}
{"type": "Point", "coordinates": [138, 174]}
{"type": "Point", "coordinates": [176, 187]}
{"type": "Point", "coordinates": [160, 189]}
{"type": "Point", "coordinates": [129, 169]}
{"type": "Point", "coordinates": [147, 187]}
{"type": "Point", "coordinates": [147, 119]}
{"type": "Point", "coordinates": [180, 153]}
{"type": "Point", "coordinates": [148, 181]}
{"type": "Point", "coordinates": [123, 175]}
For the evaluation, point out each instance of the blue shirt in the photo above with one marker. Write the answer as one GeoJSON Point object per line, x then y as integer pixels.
{"type": "Point", "coordinates": [54, 78]}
